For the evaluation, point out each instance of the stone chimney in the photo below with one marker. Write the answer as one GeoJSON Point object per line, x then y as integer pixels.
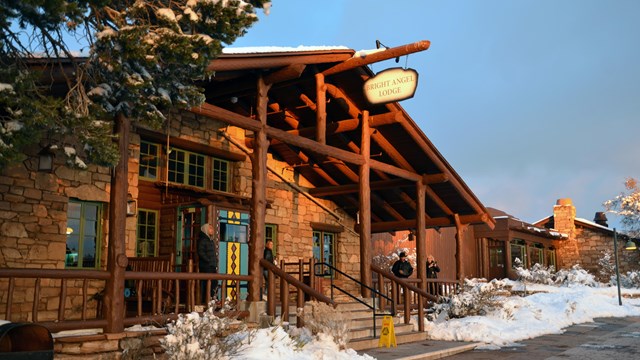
{"type": "Point", "coordinates": [601, 219]}
{"type": "Point", "coordinates": [564, 215]}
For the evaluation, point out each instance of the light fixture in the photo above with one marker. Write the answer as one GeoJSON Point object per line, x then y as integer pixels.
{"type": "Point", "coordinates": [45, 159]}
{"type": "Point", "coordinates": [630, 245]}
{"type": "Point", "coordinates": [132, 207]}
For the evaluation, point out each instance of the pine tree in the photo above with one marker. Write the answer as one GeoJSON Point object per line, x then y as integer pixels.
{"type": "Point", "coordinates": [145, 57]}
{"type": "Point", "coordinates": [627, 205]}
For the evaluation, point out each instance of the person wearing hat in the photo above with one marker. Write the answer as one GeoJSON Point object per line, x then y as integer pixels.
{"type": "Point", "coordinates": [402, 268]}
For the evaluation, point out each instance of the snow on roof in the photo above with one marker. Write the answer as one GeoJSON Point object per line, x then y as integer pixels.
{"type": "Point", "coordinates": [278, 49]}
{"type": "Point", "coordinates": [591, 223]}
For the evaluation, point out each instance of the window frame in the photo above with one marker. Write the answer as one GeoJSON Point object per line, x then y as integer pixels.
{"type": "Point", "coordinates": [81, 234]}
{"type": "Point", "coordinates": [188, 165]}
{"type": "Point", "coordinates": [143, 241]}
{"type": "Point", "coordinates": [320, 235]}
{"type": "Point", "coordinates": [145, 164]}
{"type": "Point", "coordinates": [214, 174]}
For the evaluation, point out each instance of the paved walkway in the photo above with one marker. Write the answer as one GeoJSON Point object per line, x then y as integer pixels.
{"type": "Point", "coordinates": [605, 338]}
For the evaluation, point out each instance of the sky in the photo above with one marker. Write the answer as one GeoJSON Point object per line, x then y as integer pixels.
{"type": "Point", "coordinates": [530, 101]}
{"type": "Point", "coordinates": [548, 309]}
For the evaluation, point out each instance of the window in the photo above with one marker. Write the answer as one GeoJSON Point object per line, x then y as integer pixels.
{"type": "Point", "coordinates": [83, 234]}
{"type": "Point", "coordinates": [147, 237]}
{"type": "Point", "coordinates": [186, 168]}
{"type": "Point", "coordinates": [324, 249]}
{"type": "Point", "coordinates": [551, 257]}
{"type": "Point", "coordinates": [518, 251]}
{"type": "Point", "coordinates": [270, 233]}
{"type": "Point", "coordinates": [536, 254]}
{"type": "Point", "coordinates": [220, 175]}
{"type": "Point", "coordinates": [233, 226]}
{"type": "Point", "coordinates": [148, 160]}
{"type": "Point", "coordinates": [496, 257]}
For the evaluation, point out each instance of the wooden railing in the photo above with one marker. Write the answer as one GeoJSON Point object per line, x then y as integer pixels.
{"type": "Point", "coordinates": [408, 295]}
{"type": "Point", "coordinates": [51, 289]}
{"type": "Point", "coordinates": [287, 281]}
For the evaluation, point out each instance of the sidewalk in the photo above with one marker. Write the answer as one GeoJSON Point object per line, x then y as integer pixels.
{"type": "Point", "coordinates": [427, 349]}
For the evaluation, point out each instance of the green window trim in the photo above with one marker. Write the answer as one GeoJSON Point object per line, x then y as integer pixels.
{"type": "Point", "coordinates": [84, 234]}
{"type": "Point", "coordinates": [220, 175]}
{"type": "Point", "coordinates": [149, 160]}
{"type": "Point", "coordinates": [186, 168]}
{"type": "Point", "coordinates": [324, 249]}
{"type": "Point", "coordinates": [147, 233]}
{"type": "Point", "coordinates": [271, 233]}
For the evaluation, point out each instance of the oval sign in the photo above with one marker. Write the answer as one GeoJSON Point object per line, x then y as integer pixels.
{"type": "Point", "coordinates": [391, 85]}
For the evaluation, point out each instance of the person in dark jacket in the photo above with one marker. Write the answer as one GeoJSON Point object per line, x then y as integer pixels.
{"type": "Point", "coordinates": [267, 254]}
{"type": "Point", "coordinates": [402, 268]}
{"type": "Point", "coordinates": [432, 267]}
{"type": "Point", "coordinates": [207, 259]}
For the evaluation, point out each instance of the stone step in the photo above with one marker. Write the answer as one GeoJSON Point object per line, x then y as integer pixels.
{"type": "Point", "coordinates": [371, 342]}
{"type": "Point", "coordinates": [367, 331]}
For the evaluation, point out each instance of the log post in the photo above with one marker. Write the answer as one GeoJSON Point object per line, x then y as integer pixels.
{"type": "Point", "coordinates": [421, 234]}
{"type": "Point", "coordinates": [116, 254]}
{"type": "Point", "coordinates": [321, 109]}
{"type": "Point", "coordinates": [258, 193]}
{"type": "Point", "coordinates": [365, 208]}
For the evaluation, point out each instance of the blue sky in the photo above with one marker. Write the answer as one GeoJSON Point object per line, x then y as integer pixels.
{"type": "Point", "coordinates": [529, 100]}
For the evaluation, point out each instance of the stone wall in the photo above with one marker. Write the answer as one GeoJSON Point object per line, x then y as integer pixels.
{"type": "Point", "coordinates": [585, 245]}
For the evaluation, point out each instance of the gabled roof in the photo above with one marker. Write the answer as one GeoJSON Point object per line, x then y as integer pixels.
{"type": "Point", "coordinates": [549, 221]}
{"type": "Point", "coordinates": [401, 153]}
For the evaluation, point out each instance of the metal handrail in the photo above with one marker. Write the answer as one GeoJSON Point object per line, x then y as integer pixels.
{"type": "Point", "coordinates": [373, 290]}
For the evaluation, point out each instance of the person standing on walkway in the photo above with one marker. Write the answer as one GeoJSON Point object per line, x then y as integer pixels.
{"type": "Point", "coordinates": [402, 268]}
{"type": "Point", "coordinates": [207, 259]}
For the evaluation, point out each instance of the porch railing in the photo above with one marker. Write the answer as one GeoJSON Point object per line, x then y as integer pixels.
{"type": "Point", "coordinates": [286, 282]}
{"type": "Point", "coordinates": [325, 269]}
{"type": "Point", "coordinates": [408, 293]}
{"type": "Point", "coordinates": [76, 296]}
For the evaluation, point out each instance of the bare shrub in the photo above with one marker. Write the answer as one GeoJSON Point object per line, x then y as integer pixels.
{"type": "Point", "coordinates": [474, 299]}
{"type": "Point", "coordinates": [322, 318]}
{"type": "Point", "coordinates": [195, 337]}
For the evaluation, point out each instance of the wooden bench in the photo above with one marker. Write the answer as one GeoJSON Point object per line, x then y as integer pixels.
{"type": "Point", "coordinates": [146, 290]}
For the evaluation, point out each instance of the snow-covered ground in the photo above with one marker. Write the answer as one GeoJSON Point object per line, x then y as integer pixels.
{"type": "Point", "coordinates": [547, 310]}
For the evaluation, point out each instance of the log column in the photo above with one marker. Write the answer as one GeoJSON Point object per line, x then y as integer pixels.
{"type": "Point", "coordinates": [258, 193]}
{"type": "Point", "coordinates": [321, 110]}
{"type": "Point", "coordinates": [364, 194]}
{"type": "Point", "coordinates": [116, 257]}
{"type": "Point", "coordinates": [421, 234]}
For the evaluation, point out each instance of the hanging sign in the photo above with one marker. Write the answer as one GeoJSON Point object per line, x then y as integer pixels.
{"type": "Point", "coordinates": [391, 85]}
{"type": "Point", "coordinates": [388, 333]}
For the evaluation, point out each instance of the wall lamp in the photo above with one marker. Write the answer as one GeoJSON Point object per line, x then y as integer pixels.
{"type": "Point", "coordinates": [45, 159]}
{"type": "Point", "coordinates": [630, 245]}
{"type": "Point", "coordinates": [132, 206]}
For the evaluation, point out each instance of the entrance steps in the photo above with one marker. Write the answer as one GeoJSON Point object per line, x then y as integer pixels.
{"type": "Point", "coordinates": [362, 334]}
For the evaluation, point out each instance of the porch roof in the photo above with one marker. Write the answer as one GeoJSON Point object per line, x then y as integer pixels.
{"type": "Point", "coordinates": [401, 153]}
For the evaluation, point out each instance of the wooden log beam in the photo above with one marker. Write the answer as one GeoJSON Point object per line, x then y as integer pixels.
{"type": "Point", "coordinates": [288, 73]}
{"type": "Point", "coordinates": [353, 188]}
{"type": "Point", "coordinates": [234, 119]}
{"type": "Point", "coordinates": [229, 117]}
{"type": "Point", "coordinates": [382, 55]}
{"type": "Point", "coordinates": [346, 125]}
{"type": "Point", "coordinates": [430, 222]}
